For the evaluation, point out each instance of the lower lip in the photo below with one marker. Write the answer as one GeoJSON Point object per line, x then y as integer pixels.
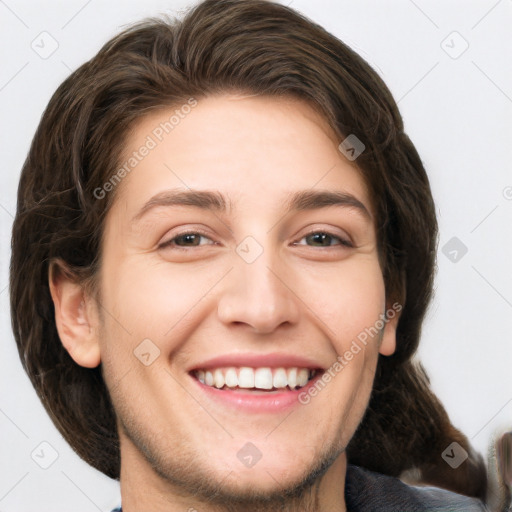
{"type": "Point", "coordinates": [275, 401]}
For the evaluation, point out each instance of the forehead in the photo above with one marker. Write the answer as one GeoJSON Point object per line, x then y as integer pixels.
{"type": "Point", "coordinates": [253, 148]}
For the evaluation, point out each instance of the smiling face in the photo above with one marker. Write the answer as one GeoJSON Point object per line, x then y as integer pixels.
{"type": "Point", "coordinates": [239, 261]}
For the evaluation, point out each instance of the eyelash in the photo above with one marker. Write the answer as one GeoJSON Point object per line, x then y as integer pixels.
{"type": "Point", "coordinates": [343, 242]}
{"type": "Point", "coordinates": [171, 242]}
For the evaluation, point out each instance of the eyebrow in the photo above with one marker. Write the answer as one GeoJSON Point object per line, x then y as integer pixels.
{"type": "Point", "coordinates": [215, 201]}
{"type": "Point", "coordinates": [314, 199]}
{"type": "Point", "coordinates": [203, 199]}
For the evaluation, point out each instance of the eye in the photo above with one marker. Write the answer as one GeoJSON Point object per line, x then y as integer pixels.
{"type": "Point", "coordinates": [187, 239]}
{"type": "Point", "coordinates": [324, 239]}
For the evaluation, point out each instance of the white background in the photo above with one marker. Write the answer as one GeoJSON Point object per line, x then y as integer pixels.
{"type": "Point", "coordinates": [458, 112]}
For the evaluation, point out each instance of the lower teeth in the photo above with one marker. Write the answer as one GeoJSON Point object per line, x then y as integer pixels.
{"type": "Point", "coordinates": [287, 388]}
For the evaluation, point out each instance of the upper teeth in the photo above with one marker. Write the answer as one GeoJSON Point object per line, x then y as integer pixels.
{"type": "Point", "coordinates": [259, 378]}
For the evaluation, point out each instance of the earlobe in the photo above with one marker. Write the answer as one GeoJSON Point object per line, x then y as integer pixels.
{"type": "Point", "coordinates": [388, 342]}
{"type": "Point", "coordinates": [74, 317]}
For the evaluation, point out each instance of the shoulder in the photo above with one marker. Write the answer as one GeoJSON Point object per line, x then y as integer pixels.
{"type": "Point", "coordinates": [367, 491]}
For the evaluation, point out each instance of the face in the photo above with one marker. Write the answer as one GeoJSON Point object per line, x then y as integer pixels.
{"type": "Point", "coordinates": [230, 288]}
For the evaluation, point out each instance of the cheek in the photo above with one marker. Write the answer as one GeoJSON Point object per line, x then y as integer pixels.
{"type": "Point", "coordinates": [149, 296]}
{"type": "Point", "coordinates": [156, 300]}
{"type": "Point", "coordinates": [349, 299]}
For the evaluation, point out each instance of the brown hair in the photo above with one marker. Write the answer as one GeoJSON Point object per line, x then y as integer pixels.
{"type": "Point", "coordinates": [252, 46]}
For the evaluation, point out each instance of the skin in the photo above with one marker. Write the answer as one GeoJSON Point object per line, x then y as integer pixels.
{"type": "Point", "coordinates": [300, 296]}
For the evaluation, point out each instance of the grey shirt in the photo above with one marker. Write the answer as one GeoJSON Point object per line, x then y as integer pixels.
{"type": "Point", "coordinates": [366, 491]}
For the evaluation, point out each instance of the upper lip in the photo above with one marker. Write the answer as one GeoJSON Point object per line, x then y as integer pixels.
{"type": "Point", "coordinates": [273, 360]}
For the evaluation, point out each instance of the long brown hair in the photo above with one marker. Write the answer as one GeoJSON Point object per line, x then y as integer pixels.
{"type": "Point", "coordinates": [252, 46]}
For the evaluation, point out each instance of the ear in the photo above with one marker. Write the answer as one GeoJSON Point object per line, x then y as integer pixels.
{"type": "Point", "coordinates": [388, 342]}
{"type": "Point", "coordinates": [75, 317]}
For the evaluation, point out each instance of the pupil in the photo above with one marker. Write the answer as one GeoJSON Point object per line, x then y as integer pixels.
{"type": "Point", "coordinates": [320, 237]}
{"type": "Point", "coordinates": [189, 238]}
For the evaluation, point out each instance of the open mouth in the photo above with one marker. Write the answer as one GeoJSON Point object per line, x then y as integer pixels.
{"type": "Point", "coordinates": [262, 379]}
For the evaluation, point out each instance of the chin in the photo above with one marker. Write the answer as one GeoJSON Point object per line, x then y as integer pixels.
{"type": "Point", "coordinates": [264, 484]}
{"type": "Point", "coordinates": [277, 474]}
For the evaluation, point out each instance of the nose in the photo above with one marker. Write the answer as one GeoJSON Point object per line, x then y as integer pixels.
{"type": "Point", "coordinates": [259, 294]}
